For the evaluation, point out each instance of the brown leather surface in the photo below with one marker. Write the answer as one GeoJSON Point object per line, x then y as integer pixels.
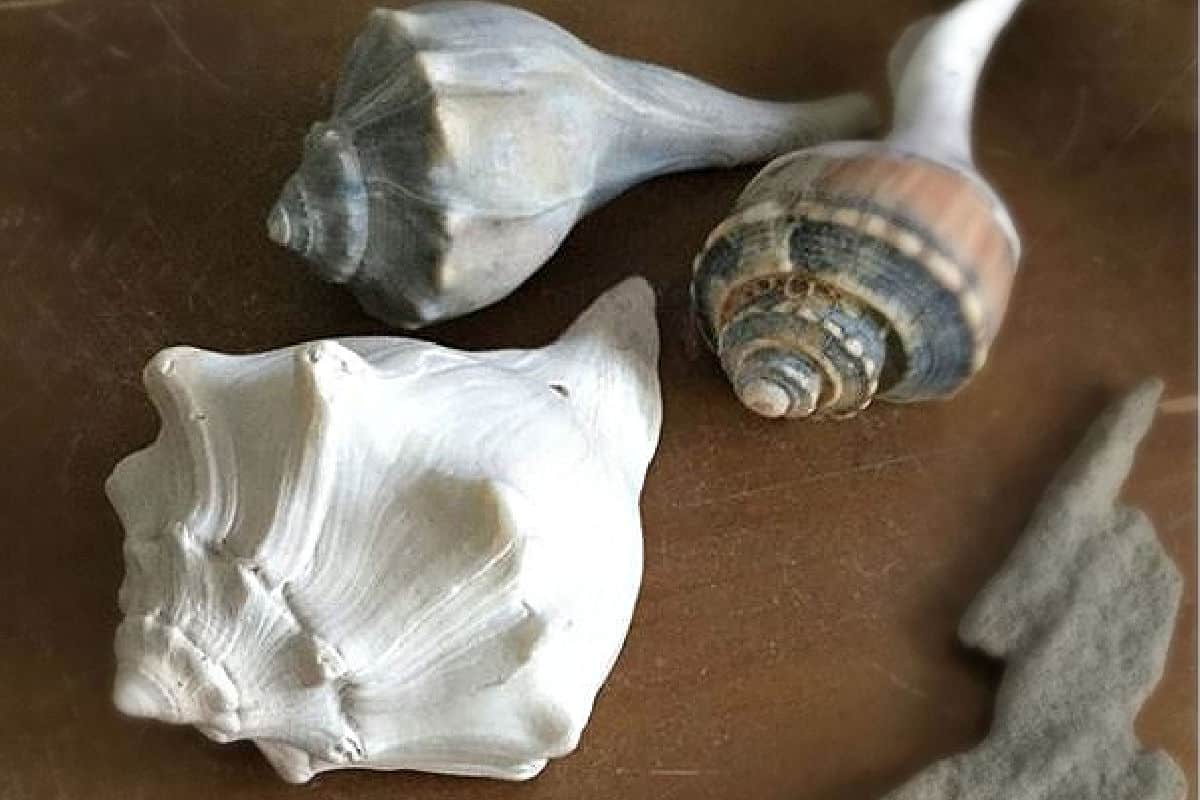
{"type": "Point", "coordinates": [795, 633]}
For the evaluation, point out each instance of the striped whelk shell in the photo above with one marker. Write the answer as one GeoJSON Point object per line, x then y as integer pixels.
{"type": "Point", "coordinates": [856, 270]}
{"type": "Point", "coordinates": [381, 553]}
{"type": "Point", "coordinates": [468, 138]}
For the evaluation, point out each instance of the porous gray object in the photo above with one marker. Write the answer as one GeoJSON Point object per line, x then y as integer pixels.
{"type": "Point", "coordinates": [1082, 612]}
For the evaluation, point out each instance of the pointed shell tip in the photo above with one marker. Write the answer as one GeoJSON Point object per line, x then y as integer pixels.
{"type": "Point", "coordinates": [765, 398]}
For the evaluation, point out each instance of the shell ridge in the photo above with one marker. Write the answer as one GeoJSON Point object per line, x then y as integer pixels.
{"type": "Point", "coordinates": [178, 401]}
{"type": "Point", "coordinates": [308, 474]}
{"type": "Point", "coordinates": [296, 630]}
{"type": "Point", "coordinates": [373, 45]}
{"type": "Point", "coordinates": [494, 212]}
{"type": "Point", "coordinates": [498, 572]}
{"type": "Point", "coordinates": [937, 301]}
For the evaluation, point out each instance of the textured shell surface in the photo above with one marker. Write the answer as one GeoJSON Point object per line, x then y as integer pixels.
{"type": "Point", "coordinates": [854, 270]}
{"type": "Point", "coordinates": [1082, 614]}
{"type": "Point", "coordinates": [467, 138]}
{"type": "Point", "coordinates": [381, 553]}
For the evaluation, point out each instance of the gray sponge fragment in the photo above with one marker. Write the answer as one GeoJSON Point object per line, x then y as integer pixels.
{"type": "Point", "coordinates": [1082, 612]}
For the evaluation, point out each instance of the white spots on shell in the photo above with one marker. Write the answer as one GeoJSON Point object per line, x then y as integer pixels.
{"type": "Point", "coordinates": [948, 273]}
{"type": "Point", "coordinates": [834, 329]}
{"type": "Point", "coordinates": [972, 310]}
{"type": "Point", "coordinates": [768, 251]}
{"type": "Point", "coordinates": [875, 225]}
{"type": "Point", "coordinates": [849, 217]}
{"type": "Point", "coordinates": [820, 213]}
{"type": "Point", "coordinates": [760, 212]}
{"type": "Point", "coordinates": [804, 208]}
{"type": "Point", "coordinates": [979, 359]}
{"type": "Point", "coordinates": [855, 348]}
{"type": "Point", "coordinates": [944, 271]}
{"type": "Point", "coordinates": [810, 383]}
{"type": "Point", "coordinates": [907, 242]}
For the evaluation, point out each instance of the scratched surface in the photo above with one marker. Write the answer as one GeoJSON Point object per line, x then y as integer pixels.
{"type": "Point", "coordinates": [795, 633]}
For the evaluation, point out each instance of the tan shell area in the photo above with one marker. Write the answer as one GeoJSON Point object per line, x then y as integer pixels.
{"type": "Point", "coordinates": [948, 207]}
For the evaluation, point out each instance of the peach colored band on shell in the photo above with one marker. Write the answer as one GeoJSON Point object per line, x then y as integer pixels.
{"type": "Point", "coordinates": [948, 206]}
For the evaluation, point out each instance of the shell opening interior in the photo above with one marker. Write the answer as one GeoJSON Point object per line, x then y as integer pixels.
{"type": "Point", "coordinates": [895, 362]}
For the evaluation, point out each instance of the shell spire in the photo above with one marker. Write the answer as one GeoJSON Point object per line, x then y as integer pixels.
{"type": "Point", "coordinates": [605, 367]}
{"type": "Point", "coordinates": [467, 139]}
{"type": "Point", "coordinates": [855, 270]}
{"type": "Point", "coordinates": [382, 553]}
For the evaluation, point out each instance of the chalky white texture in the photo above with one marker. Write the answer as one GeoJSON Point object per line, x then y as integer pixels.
{"type": "Point", "coordinates": [381, 553]}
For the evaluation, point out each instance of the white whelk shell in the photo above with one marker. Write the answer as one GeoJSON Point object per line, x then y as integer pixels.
{"type": "Point", "coordinates": [467, 138]}
{"type": "Point", "coordinates": [382, 553]}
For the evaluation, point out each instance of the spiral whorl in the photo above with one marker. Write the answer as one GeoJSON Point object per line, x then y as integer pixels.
{"type": "Point", "coordinates": [794, 348]}
{"type": "Point", "coordinates": [845, 276]}
{"type": "Point", "coordinates": [322, 211]}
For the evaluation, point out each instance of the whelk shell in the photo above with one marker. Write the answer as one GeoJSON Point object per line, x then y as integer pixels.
{"type": "Point", "coordinates": [855, 270]}
{"type": "Point", "coordinates": [378, 552]}
{"type": "Point", "coordinates": [467, 139]}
